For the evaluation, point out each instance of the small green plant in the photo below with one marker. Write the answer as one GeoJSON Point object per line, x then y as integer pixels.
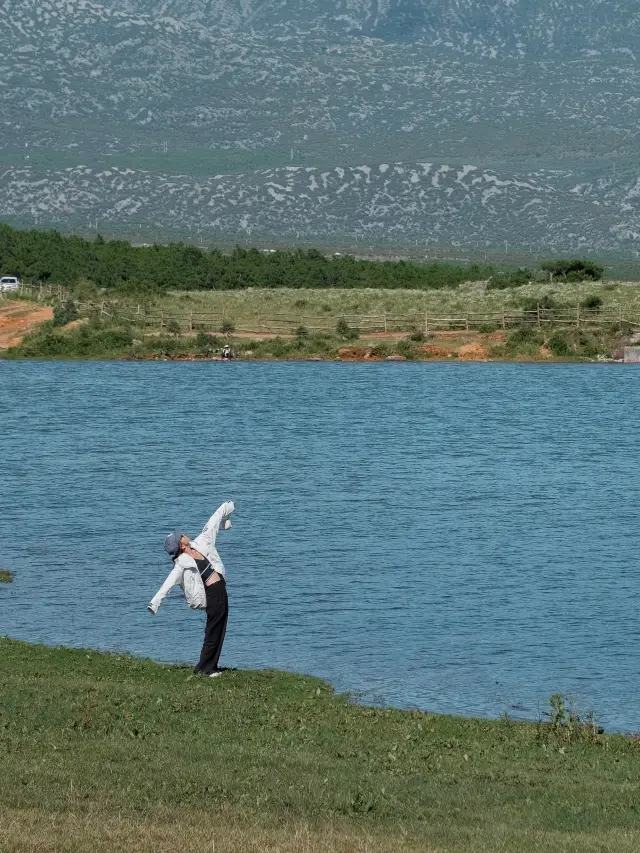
{"type": "Point", "coordinates": [302, 333]}
{"type": "Point", "coordinates": [565, 724]}
{"type": "Point", "coordinates": [417, 337]}
{"type": "Point", "coordinates": [173, 327]}
{"type": "Point", "coordinates": [300, 303]}
{"type": "Point", "coordinates": [227, 327]}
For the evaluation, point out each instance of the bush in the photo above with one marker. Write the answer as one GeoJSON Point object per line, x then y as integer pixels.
{"type": "Point", "coordinates": [513, 278]}
{"type": "Point", "coordinates": [573, 269]}
{"type": "Point", "coordinates": [559, 343]}
{"type": "Point", "coordinates": [523, 337]}
{"type": "Point", "coordinates": [302, 333]}
{"type": "Point", "coordinates": [206, 344]}
{"type": "Point", "coordinates": [344, 331]}
{"type": "Point", "coordinates": [173, 327]}
{"type": "Point", "coordinates": [592, 302]}
{"type": "Point", "coordinates": [546, 302]}
{"type": "Point", "coordinates": [227, 328]}
{"type": "Point", "coordinates": [417, 337]}
{"type": "Point", "coordinates": [64, 312]}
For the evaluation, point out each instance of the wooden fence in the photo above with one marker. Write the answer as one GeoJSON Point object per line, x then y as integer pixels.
{"type": "Point", "coordinates": [284, 324]}
{"type": "Point", "coordinates": [287, 324]}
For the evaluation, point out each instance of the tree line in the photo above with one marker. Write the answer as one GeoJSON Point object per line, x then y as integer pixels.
{"type": "Point", "coordinates": [48, 256]}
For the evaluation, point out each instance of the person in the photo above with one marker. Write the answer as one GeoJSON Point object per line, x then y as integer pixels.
{"type": "Point", "coordinates": [198, 570]}
{"type": "Point", "coordinates": [226, 353]}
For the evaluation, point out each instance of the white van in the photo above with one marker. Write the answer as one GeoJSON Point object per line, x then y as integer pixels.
{"type": "Point", "coordinates": [9, 282]}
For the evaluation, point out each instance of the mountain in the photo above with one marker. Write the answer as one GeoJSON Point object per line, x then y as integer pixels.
{"type": "Point", "coordinates": [245, 88]}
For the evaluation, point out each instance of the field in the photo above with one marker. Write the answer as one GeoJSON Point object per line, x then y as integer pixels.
{"type": "Point", "coordinates": [106, 752]}
{"type": "Point", "coordinates": [285, 308]}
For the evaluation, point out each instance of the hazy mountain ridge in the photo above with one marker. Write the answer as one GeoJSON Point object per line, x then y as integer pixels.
{"type": "Point", "coordinates": [528, 88]}
{"type": "Point", "coordinates": [518, 26]}
{"type": "Point", "coordinates": [424, 202]}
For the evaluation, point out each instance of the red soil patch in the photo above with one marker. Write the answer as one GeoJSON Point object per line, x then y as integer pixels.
{"type": "Point", "coordinates": [434, 351]}
{"type": "Point", "coordinates": [358, 353]}
{"type": "Point", "coordinates": [472, 352]}
{"type": "Point", "coordinates": [18, 318]}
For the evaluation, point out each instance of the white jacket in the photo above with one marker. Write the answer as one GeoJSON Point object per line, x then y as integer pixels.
{"type": "Point", "coordinates": [185, 571]}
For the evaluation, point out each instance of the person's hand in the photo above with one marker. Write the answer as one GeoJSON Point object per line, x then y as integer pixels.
{"type": "Point", "coordinates": [152, 609]}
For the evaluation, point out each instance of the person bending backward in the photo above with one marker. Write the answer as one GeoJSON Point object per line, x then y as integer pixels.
{"type": "Point", "coordinates": [198, 569]}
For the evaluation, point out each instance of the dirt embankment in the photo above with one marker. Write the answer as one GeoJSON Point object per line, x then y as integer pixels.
{"type": "Point", "coordinates": [18, 318]}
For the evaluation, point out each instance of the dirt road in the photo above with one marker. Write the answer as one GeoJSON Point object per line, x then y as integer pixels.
{"type": "Point", "coordinates": [18, 318]}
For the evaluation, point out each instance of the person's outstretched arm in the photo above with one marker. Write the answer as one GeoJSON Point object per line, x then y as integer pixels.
{"type": "Point", "coordinates": [210, 530]}
{"type": "Point", "coordinates": [173, 578]}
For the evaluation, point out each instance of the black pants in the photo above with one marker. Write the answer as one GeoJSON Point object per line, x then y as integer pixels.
{"type": "Point", "coordinates": [216, 627]}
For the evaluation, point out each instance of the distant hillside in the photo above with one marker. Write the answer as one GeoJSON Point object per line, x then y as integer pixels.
{"type": "Point", "coordinates": [424, 202]}
{"type": "Point", "coordinates": [540, 92]}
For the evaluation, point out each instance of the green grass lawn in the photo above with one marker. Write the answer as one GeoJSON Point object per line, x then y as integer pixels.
{"type": "Point", "coordinates": [107, 752]}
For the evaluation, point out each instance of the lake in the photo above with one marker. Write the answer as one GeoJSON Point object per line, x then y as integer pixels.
{"type": "Point", "coordinates": [452, 537]}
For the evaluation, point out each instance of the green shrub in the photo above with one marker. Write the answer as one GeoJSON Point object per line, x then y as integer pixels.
{"type": "Point", "coordinates": [417, 337]}
{"type": "Point", "coordinates": [345, 332]}
{"type": "Point", "coordinates": [559, 343]}
{"type": "Point", "coordinates": [592, 302]}
{"type": "Point", "coordinates": [173, 327]}
{"type": "Point", "coordinates": [573, 269]}
{"type": "Point", "coordinates": [64, 312]}
{"type": "Point", "coordinates": [302, 333]}
{"type": "Point", "coordinates": [546, 302]}
{"type": "Point", "coordinates": [524, 337]}
{"type": "Point", "coordinates": [227, 327]}
{"type": "Point", "coordinates": [512, 278]}
{"type": "Point", "coordinates": [406, 349]}
{"type": "Point", "coordinates": [206, 344]}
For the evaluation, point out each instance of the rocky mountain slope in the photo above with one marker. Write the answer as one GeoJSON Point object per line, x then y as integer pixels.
{"type": "Point", "coordinates": [539, 91]}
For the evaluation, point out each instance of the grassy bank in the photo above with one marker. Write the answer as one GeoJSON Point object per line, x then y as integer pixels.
{"type": "Point", "coordinates": [104, 339]}
{"type": "Point", "coordinates": [105, 752]}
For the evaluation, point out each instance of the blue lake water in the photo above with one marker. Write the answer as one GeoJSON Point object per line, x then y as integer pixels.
{"type": "Point", "coordinates": [458, 538]}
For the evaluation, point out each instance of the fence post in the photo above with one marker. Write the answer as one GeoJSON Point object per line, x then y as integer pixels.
{"type": "Point", "coordinates": [538, 311]}
{"type": "Point", "coordinates": [426, 323]}
{"type": "Point", "coordinates": [385, 321]}
{"type": "Point", "coordinates": [578, 317]}
{"type": "Point", "coordinates": [504, 322]}
{"type": "Point", "coordinates": [191, 322]}
{"type": "Point", "coordinates": [161, 320]}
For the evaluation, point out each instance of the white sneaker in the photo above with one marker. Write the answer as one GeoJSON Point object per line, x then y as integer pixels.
{"type": "Point", "coordinates": [215, 674]}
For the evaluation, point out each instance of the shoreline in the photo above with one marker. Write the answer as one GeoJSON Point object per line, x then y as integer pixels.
{"type": "Point", "coordinates": [347, 695]}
